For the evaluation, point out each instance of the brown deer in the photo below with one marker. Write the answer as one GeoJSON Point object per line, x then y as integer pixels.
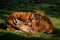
{"type": "Point", "coordinates": [30, 22]}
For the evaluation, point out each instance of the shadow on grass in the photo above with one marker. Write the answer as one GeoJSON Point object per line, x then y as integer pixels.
{"type": "Point", "coordinates": [4, 14]}
{"type": "Point", "coordinates": [56, 32]}
{"type": "Point", "coordinates": [53, 11]}
{"type": "Point", "coordinates": [2, 26]}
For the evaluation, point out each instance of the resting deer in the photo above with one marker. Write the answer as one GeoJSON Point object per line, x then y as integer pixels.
{"type": "Point", "coordinates": [30, 22]}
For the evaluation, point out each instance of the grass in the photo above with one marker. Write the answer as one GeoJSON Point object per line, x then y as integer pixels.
{"type": "Point", "coordinates": [56, 22]}
{"type": "Point", "coordinates": [10, 35]}
{"type": "Point", "coordinates": [47, 8]}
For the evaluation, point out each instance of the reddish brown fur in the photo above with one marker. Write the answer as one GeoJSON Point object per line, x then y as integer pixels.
{"type": "Point", "coordinates": [44, 26]}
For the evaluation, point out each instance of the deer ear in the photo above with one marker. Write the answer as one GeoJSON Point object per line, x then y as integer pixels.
{"type": "Point", "coordinates": [16, 21]}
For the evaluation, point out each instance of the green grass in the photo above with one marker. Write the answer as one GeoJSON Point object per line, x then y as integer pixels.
{"type": "Point", "coordinates": [10, 35]}
{"type": "Point", "coordinates": [55, 18]}
{"type": "Point", "coordinates": [56, 22]}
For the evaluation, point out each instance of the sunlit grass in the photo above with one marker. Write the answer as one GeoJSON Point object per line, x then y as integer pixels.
{"type": "Point", "coordinates": [56, 22]}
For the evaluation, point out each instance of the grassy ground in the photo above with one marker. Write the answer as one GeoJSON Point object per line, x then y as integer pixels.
{"type": "Point", "coordinates": [51, 10]}
{"type": "Point", "coordinates": [10, 35]}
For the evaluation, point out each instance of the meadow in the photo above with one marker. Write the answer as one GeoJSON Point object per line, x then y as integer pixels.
{"type": "Point", "coordinates": [52, 10]}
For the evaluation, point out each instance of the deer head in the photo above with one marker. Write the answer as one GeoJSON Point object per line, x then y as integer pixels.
{"type": "Point", "coordinates": [21, 26]}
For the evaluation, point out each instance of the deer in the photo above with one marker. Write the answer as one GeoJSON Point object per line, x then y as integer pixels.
{"type": "Point", "coordinates": [29, 22]}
